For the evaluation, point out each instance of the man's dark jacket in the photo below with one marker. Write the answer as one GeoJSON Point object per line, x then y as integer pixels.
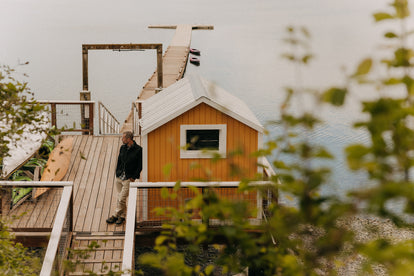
{"type": "Point", "coordinates": [130, 159]}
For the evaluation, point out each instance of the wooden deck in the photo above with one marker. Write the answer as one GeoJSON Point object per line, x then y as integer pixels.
{"type": "Point", "coordinates": [174, 63]}
{"type": "Point", "coordinates": [92, 170]}
{"type": "Point", "coordinates": [93, 175]}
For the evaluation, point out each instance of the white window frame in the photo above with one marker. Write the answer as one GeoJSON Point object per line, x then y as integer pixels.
{"type": "Point", "coordinates": [187, 154]}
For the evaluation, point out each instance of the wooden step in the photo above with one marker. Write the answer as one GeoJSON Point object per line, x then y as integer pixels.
{"type": "Point", "coordinates": [100, 253]}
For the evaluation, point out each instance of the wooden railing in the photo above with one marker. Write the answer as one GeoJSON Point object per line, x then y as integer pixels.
{"type": "Point", "coordinates": [136, 111]}
{"type": "Point", "coordinates": [108, 124]}
{"type": "Point", "coordinates": [62, 228]}
{"type": "Point", "coordinates": [79, 116]}
{"type": "Point", "coordinates": [66, 115]}
{"type": "Point", "coordinates": [129, 244]}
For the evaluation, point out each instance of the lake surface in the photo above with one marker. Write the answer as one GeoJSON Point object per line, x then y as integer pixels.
{"type": "Point", "coordinates": [242, 53]}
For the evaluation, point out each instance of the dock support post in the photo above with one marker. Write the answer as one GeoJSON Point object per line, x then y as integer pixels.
{"type": "Point", "coordinates": [84, 68]}
{"type": "Point", "coordinates": [85, 122]}
{"type": "Point", "coordinates": [159, 67]}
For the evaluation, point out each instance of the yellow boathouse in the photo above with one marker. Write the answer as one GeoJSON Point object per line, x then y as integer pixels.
{"type": "Point", "coordinates": [179, 123]}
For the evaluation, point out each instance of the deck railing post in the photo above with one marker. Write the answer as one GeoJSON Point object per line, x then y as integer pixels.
{"type": "Point", "coordinates": [159, 67]}
{"type": "Point", "coordinates": [84, 96]}
{"type": "Point", "coordinates": [133, 117]}
{"type": "Point", "coordinates": [100, 117]}
{"type": "Point", "coordinates": [129, 242]}
{"type": "Point", "coordinates": [91, 117]}
{"type": "Point", "coordinates": [53, 107]}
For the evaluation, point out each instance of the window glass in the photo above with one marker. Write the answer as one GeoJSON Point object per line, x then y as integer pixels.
{"type": "Point", "coordinates": [198, 139]}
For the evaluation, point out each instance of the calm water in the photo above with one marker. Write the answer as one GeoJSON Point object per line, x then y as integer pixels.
{"type": "Point", "coordinates": [242, 53]}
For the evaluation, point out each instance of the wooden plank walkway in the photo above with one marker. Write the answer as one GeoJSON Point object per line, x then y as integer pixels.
{"type": "Point", "coordinates": [92, 170]}
{"type": "Point", "coordinates": [174, 63]}
{"type": "Point", "coordinates": [93, 173]}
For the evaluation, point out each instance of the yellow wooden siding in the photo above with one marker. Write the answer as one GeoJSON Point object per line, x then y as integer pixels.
{"type": "Point", "coordinates": [164, 149]}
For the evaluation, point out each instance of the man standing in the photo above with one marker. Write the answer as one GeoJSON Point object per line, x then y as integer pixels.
{"type": "Point", "coordinates": [128, 169]}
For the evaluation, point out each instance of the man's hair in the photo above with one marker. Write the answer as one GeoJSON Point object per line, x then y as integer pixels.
{"type": "Point", "coordinates": [129, 134]}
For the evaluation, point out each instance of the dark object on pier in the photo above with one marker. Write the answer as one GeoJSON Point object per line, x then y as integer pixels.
{"type": "Point", "coordinates": [195, 61]}
{"type": "Point", "coordinates": [195, 51]}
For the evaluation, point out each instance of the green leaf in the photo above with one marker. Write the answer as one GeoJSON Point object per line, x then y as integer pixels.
{"type": "Point", "coordinates": [166, 170]}
{"type": "Point", "coordinates": [289, 57]}
{"type": "Point", "coordinates": [209, 269]}
{"type": "Point", "coordinates": [280, 165]}
{"type": "Point", "coordinates": [401, 8]}
{"type": "Point", "coordinates": [335, 96]}
{"type": "Point", "coordinates": [402, 57]}
{"type": "Point", "coordinates": [177, 186]}
{"type": "Point", "coordinates": [305, 32]}
{"type": "Point", "coordinates": [379, 16]}
{"type": "Point", "coordinates": [164, 192]}
{"type": "Point", "coordinates": [306, 58]}
{"type": "Point", "coordinates": [160, 240]}
{"type": "Point", "coordinates": [323, 153]}
{"type": "Point", "coordinates": [392, 81]}
{"type": "Point", "coordinates": [390, 35]}
{"type": "Point", "coordinates": [364, 67]}
{"type": "Point", "coordinates": [409, 84]}
{"type": "Point", "coordinates": [356, 155]}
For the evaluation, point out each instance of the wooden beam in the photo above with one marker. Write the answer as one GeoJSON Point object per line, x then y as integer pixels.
{"type": "Point", "coordinates": [194, 27]}
{"type": "Point", "coordinates": [36, 183]}
{"type": "Point", "coordinates": [121, 47]}
{"type": "Point", "coordinates": [162, 26]}
{"type": "Point", "coordinates": [223, 184]}
{"type": "Point", "coordinates": [131, 46]}
{"type": "Point", "coordinates": [30, 239]}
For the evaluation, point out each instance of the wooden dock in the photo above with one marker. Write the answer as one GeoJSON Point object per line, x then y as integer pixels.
{"type": "Point", "coordinates": [93, 175]}
{"type": "Point", "coordinates": [92, 171]}
{"type": "Point", "coordinates": [174, 63]}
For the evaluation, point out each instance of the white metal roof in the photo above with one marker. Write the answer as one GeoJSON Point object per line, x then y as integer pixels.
{"type": "Point", "coordinates": [188, 93]}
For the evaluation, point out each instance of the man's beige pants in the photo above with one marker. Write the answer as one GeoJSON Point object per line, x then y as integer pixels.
{"type": "Point", "coordinates": [122, 187]}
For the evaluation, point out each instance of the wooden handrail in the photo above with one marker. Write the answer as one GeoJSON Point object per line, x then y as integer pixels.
{"type": "Point", "coordinates": [108, 124]}
{"type": "Point", "coordinates": [223, 184]}
{"type": "Point", "coordinates": [64, 102]}
{"type": "Point", "coordinates": [129, 242]}
{"type": "Point", "coordinates": [89, 120]}
{"type": "Point", "coordinates": [64, 209]}
{"type": "Point", "coordinates": [52, 247]}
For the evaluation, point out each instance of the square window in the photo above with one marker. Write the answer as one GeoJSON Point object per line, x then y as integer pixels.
{"type": "Point", "coordinates": [200, 141]}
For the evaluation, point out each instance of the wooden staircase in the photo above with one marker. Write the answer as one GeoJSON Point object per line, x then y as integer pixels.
{"type": "Point", "coordinates": [98, 253]}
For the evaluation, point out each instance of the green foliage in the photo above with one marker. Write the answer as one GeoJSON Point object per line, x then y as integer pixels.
{"type": "Point", "coordinates": [14, 258]}
{"type": "Point", "coordinates": [388, 158]}
{"type": "Point", "coordinates": [295, 240]}
{"type": "Point", "coordinates": [308, 236]}
{"type": "Point", "coordinates": [77, 256]}
{"type": "Point", "coordinates": [18, 109]}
